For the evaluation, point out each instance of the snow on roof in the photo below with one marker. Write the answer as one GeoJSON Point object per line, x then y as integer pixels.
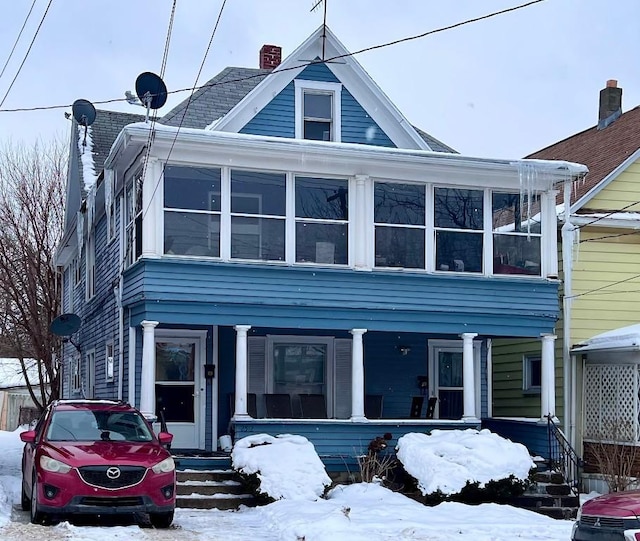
{"type": "Point", "coordinates": [623, 338]}
{"type": "Point", "coordinates": [85, 147]}
{"type": "Point", "coordinates": [11, 372]}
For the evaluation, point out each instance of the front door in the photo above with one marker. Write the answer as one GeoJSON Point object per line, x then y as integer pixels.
{"type": "Point", "coordinates": [180, 393]}
{"type": "Point", "coordinates": [446, 368]}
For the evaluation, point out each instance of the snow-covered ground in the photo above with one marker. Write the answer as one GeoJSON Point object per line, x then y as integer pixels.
{"type": "Point", "coordinates": [359, 512]}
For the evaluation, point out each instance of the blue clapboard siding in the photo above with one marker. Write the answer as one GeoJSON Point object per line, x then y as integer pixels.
{"type": "Point", "coordinates": [198, 292]}
{"type": "Point", "coordinates": [338, 443]}
{"type": "Point", "coordinates": [277, 118]}
{"type": "Point", "coordinates": [358, 126]}
{"type": "Point", "coordinates": [534, 436]}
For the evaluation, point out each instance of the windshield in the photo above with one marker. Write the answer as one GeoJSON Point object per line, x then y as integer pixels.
{"type": "Point", "coordinates": [105, 425]}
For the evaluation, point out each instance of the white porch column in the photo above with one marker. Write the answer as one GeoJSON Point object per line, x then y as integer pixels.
{"type": "Point", "coordinates": [152, 241]}
{"type": "Point", "coordinates": [548, 380]}
{"type": "Point", "coordinates": [468, 376]}
{"type": "Point", "coordinates": [357, 375]}
{"type": "Point", "coordinates": [148, 373]}
{"type": "Point", "coordinates": [241, 372]}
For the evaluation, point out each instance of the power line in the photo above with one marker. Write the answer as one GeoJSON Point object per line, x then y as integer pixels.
{"type": "Point", "coordinates": [309, 63]}
{"type": "Point", "coordinates": [608, 214]}
{"type": "Point", "coordinates": [603, 287]}
{"type": "Point", "coordinates": [17, 39]}
{"type": "Point", "coordinates": [26, 54]}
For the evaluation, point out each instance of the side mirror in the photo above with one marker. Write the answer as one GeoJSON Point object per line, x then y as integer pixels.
{"type": "Point", "coordinates": [164, 437]}
{"type": "Point", "coordinates": [29, 436]}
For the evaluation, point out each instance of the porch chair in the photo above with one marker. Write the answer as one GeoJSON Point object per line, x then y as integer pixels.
{"type": "Point", "coordinates": [431, 407]}
{"type": "Point", "coordinates": [416, 407]}
{"type": "Point", "coordinates": [278, 406]}
{"type": "Point", "coordinates": [252, 408]}
{"type": "Point", "coordinates": [373, 406]}
{"type": "Point", "coordinates": [313, 406]}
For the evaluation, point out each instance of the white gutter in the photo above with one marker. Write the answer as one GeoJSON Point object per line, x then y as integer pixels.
{"type": "Point", "coordinates": [567, 300]}
{"type": "Point", "coordinates": [165, 136]}
{"type": "Point", "coordinates": [118, 294]}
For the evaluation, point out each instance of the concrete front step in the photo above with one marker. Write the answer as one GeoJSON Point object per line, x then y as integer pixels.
{"type": "Point", "coordinates": [213, 489]}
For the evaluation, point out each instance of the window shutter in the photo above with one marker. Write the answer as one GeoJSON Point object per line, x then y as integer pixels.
{"type": "Point", "coordinates": [342, 378]}
{"type": "Point", "coordinates": [256, 361]}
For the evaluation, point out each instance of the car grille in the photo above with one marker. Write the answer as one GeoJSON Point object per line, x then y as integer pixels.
{"type": "Point", "coordinates": [111, 502]}
{"type": "Point", "coordinates": [97, 476]}
{"type": "Point", "coordinates": [604, 522]}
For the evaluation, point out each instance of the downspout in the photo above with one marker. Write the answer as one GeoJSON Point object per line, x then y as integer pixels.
{"type": "Point", "coordinates": [567, 301]}
{"type": "Point", "coordinates": [117, 290]}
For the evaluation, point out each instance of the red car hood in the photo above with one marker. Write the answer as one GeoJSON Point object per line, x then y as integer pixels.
{"type": "Point", "coordinates": [617, 504]}
{"type": "Point", "coordinates": [77, 454]}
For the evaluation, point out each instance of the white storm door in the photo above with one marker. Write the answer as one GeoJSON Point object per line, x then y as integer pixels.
{"type": "Point", "coordinates": [180, 393]}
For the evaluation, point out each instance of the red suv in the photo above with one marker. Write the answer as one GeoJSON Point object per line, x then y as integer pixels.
{"type": "Point", "coordinates": [611, 517]}
{"type": "Point", "coordinates": [97, 457]}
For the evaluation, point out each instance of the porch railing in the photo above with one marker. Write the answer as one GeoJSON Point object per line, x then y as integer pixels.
{"type": "Point", "coordinates": [563, 457]}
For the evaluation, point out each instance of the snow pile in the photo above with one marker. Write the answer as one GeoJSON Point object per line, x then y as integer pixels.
{"type": "Point", "coordinates": [10, 472]}
{"type": "Point", "coordinates": [287, 466]}
{"type": "Point", "coordinates": [446, 460]}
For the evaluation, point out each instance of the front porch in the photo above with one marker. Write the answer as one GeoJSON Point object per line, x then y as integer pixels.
{"type": "Point", "coordinates": [340, 442]}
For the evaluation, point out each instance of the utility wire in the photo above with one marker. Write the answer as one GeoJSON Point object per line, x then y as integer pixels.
{"type": "Point", "coordinates": [17, 39]}
{"type": "Point", "coordinates": [26, 54]}
{"type": "Point", "coordinates": [309, 63]}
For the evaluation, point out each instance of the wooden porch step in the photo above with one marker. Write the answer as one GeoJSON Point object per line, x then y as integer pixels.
{"type": "Point", "coordinates": [211, 489]}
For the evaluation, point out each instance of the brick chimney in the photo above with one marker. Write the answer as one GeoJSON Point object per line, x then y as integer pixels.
{"type": "Point", "coordinates": [610, 104]}
{"type": "Point", "coordinates": [270, 57]}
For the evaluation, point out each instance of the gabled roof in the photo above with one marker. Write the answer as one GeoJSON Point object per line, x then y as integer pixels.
{"type": "Point", "coordinates": [215, 98]}
{"type": "Point", "coordinates": [323, 44]}
{"type": "Point", "coordinates": [602, 151]}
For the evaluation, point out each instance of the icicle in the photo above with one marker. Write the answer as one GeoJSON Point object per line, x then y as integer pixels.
{"type": "Point", "coordinates": [80, 231]}
{"type": "Point", "coordinates": [108, 189]}
{"type": "Point", "coordinates": [91, 205]}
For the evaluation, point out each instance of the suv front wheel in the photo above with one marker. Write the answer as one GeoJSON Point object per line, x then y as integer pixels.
{"type": "Point", "coordinates": [161, 520]}
{"type": "Point", "coordinates": [37, 517]}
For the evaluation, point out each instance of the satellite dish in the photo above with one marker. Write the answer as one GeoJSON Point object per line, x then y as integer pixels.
{"type": "Point", "coordinates": [84, 112]}
{"type": "Point", "coordinates": [65, 325]}
{"type": "Point", "coordinates": [151, 90]}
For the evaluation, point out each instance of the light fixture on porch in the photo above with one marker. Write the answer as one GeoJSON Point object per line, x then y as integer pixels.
{"type": "Point", "coordinates": [404, 350]}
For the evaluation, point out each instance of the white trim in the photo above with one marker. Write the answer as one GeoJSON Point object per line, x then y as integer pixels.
{"type": "Point", "coordinates": [199, 337]}
{"type": "Point", "coordinates": [347, 70]}
{"type": "Point", "coordinates": [580, 203]}
{"type": "Point", "coordinates": [610, 221]}
{"type": "Point", "coordinates": [335, 90]}
{"type": "Point", "coordinates": [132, 367]}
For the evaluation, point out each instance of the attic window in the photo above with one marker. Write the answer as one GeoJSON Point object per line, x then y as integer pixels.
{"type": "Point", "coordinates": [318, 110]}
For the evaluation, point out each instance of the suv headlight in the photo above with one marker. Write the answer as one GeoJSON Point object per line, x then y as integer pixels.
{"type": "Point", "coordinates": [166, 466]}
{"type": "Point", "coordinates": [52, 465]}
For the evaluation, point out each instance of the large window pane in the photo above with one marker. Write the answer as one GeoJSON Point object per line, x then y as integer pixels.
{"type": "Point", "coordinates": [399, 204]}
{"type": "Point", "coordinates": [257, 238]}
{"type": "Point", "coordinates": [458, 209]}
{"type": "Point", "coordinates": [195, 188]}
{"type": "Point", "coordinates": [318, 105]}
{"type": "Point", "coordinates": [255, 192]}
{"type": "Point", "coordinates": [459, 252]}
{"type": "Point", "coordinates": [321, 243]}
{"type": "Point", "coordinates": [511, 210]}
{"type": "Point", "coordinates": [190, 233]}
{"type": "Point", "coordinates": [516, 254]}
{"type": "Point", "coordinates": [322, 198]}
{"type": "Point", "coordinates": [399, 247]}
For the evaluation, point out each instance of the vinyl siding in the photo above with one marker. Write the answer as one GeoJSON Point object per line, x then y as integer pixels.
{"type": "Point", "coordinates": [277, 118]}
{"type": "Point", "coordinates": [619, 193]}
{"type": "Point", "coordinates": [196, 292]}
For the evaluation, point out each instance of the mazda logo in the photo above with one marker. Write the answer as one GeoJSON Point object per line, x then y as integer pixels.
{"type": "Point", "coordinates": [113, 473]}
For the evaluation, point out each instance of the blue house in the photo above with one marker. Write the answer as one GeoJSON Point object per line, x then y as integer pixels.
{"type": "Point", "coordinates": [285, 253]}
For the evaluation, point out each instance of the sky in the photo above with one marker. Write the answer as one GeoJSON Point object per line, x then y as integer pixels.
{"type": "Point", "coordinates": [502, 87]}
{"type": "Point", "coordinates": [292, 472]}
